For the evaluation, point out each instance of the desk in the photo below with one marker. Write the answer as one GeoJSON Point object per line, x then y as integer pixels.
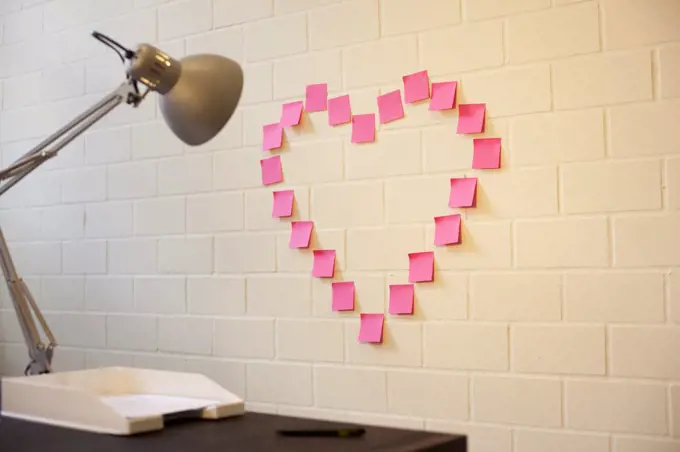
{"type": "Point", "coordinates": [252, 432]}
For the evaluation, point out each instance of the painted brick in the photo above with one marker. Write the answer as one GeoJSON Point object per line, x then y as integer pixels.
{"type": "Point", "coordinates": [230, 12]}
{"type": "Point", "coordinates": [348, 388]}
{"type": "Point", "coordinates": [277, 37]}
{"type": "Point", "coordinates": [228, 374]}
{"type": "Point", "coordinates": [396, 153]}
{"type": "Point", "coordinates": [22, 25]}
{"type": "Point", "coordinates": [558, 349]}
{"type": "Point", "coordinates": [84, 257]}
{"type": "Point", "coordinates": [627, 444]}
{"type": "Point", "coordinates": [85, 184]}
{"type": "Point", "coordinates": [108, 220]}
{"type": "Point", "coordinates": [645, 351]}
{"type": "Point", "coordinates": [317, 66]}
{"type": "Point", "coordinates": [179, 19]}
{"type": "Point", "coordinates": [237, 169]}
{"type": "Point", "coordinates": [279, 296]}
{"type": "Point", "coordinates": [301, 260]}
{"type": "Point", "coordinates": [154, 139]}
{"type": "Point", "coordinates": [216, 295]}
{"type": "Point", "coordinates": [482, 438]}
{"type": "Point", "coordinates": [470, 346]}
{"type": "Point", "coordinates": [616, 407]}
{"type": "Point", "coordinates": [63, 222]}
{"type": "Point", "coordinates": [248, 338]}
{"type": "Point", "coordinates": [293, 6]}
{"type": "Point", "coordinates": [313, 163]}
{"type": "Point", "coordinates": [257, 83]}
{"type": "Point", "coordinates": [553, 138]}
{"type": "Point", "coordinates": [109, 294]}
{"type": "Point", "coordinates": [405, 203]}
{"type": "Point", "coordinates": [131, 332]}
{"type": "Point", "coordinates": [61, 293]}
{"type": "Point", "coordinates": [402, 345]}
{"type": "Point", "coordinates": [24, 224]}
{"type": "Point", "coordinates": [675, 410]}
{"type": "Point", "coordinates": [259, 204]}
{"type": "Point", "coordinates": [369, 295]}
{"type": "Point", "coordinates": [108, 146]}
{"type": "Point", "coordinates": [492, 297]}
{"type": "Point", "coordinates": [669, 71]}
{"type": "Point", "coordinates": [614, 297]}
{"type": "Point", "coordinates": [486, 53]}
{"type": "Point", "coordinates": [160, 294]}
{"type": "Point", "coordinates": [131, 180]}
{"type": "Point", "coordinates": [399, 16]}
{"type": "Point", "coordinates": [517, 194]}
{"type": "Point", "coordinates": [214, 212]}
{"type": "Point", "coordinates": [646, 240]}
{"type": "Point", "coordinates": [562, 243]}
{"type": "Point", "coordinates": [38, 258]}
{"type": "Point", "coordinates": [294, 387]}
{"type": "Point", "coordinates": [516, 400]}
{"type": "Point", "coordinates": [445, 298]}
{"type": "Point", "coordinates": [538, 441]}
{"type": "Point", "coordinates": [132, 256]}
{"type": "Point", "coordinates": [328, 26]}
{"type": "Point", "coordinates": [588, 81]}
{"type": "Point", "coordinates": [190, 335]}
{"type": "Point", "coordinates": [431, 395]}
{"type": "Point", "coordinates": [629, 23]}
{"type": "Point", "coordinates": [382, 248]}
{"type": "Point", "coordinates": [611, 186]}
{"type": "Point", "coordinates": [510, 91]}
{"type": "Point", "coordinates": [484, 245]}
{"type": "Point", "coordinates": [377, 62]}
{"type": "Point", "coordinates": [184, 175]}
{"type": "Point", "coordinates": [557, 33]}
{"type": "Point", "coordinates": [485, 9]}
{"type": "Point", "coordinates": [292, 339]}
{"type": "Point", "coordinates": [644, 129]}
{"type": "Point", "coordinates": [672, 179]}
{"type": "Point", "coordinates": [245, 253]}
{"type": "Point", "coordinates": [185, 255]}
{"type": "Point", "coordinates": [336, 206]}
{"type": "Point", "coordinates": [673, 282]}
{"type": "Point", "coordinates": [159, 216]}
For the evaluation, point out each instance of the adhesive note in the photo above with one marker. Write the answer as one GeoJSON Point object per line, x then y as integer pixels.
{"type": "Point", "coordinates": [291, 114]}
{"type": "Point", "coordinates": [324, 264]}
{"type": "Point", "coordinates": [316, 97]}
{"type": "Point", "coordinates": [463, 192]}
{"type": "Point", "coordinates": [447, 230]}
{"type": "Point", "coordinates": [487, 153]}
{"type": "Point", "coordinates": [416, 87]}
{"type": "Point", "coordinates": [283, 203]}
{"type": "Point", "coordinates": [421, 267]}
{"type": "Point", "coordinates": [371, 329]}
{"type": "Point", "coordinates": [363, 128]}
{"type": "Point", "coordinates": [443, 96]}
{"type": "Point", "coordinates": [272, 172]}
{"type": "Point", "coordinates": [401, 298]}
{"type": "Point", "coordinates": [343, 296]}
{"type": "Point", "coordinates": [471, 118]}
{"type": "Point", "coordinates": [273, 136]}
{"type": "Point", "coordinates": [339, 110]}
{"type": "Point", "coordinates": [300, 234]}
{"type": "Point", "coordinates": [390, 107]}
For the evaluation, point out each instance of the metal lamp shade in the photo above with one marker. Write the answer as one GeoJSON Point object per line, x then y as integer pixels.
{"type": "Point", "coordinates": [204, 97]}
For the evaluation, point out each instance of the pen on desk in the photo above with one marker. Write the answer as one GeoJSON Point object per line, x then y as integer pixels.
{"type": "Point", "coordinates": [339, 433]}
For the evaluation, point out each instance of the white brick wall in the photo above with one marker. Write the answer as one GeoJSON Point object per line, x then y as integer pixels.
{"type": "Point", "coordinates": [554, 324]}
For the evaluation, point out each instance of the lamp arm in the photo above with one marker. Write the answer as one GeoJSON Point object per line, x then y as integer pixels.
{"type": "Point", "coordinates": [26, 308]}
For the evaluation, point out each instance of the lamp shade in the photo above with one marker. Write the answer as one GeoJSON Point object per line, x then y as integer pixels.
{"type": "Point", "coordinates": [198, 94]}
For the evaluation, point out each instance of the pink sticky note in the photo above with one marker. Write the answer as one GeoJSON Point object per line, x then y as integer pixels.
{"type": "Point", "coordinates": [471, 118]}
{"type": "Point", "coordinates": [291, 114]}
{"type": "Point", "coordinates": [272, 136]}
{"type": "Point", "coordinates": [363, 128]}
{"type": "Point", "coordinates": [416, 87]}
{"type": "Point", "coordinates": [421, 267]}
{"type": "Point", "coordinates": [390, 107]}
{"type": "Point", "coordinates": [371, 329]}
{"type": "Point", "coordinates": [487, 153]}
{"type": "Point", "coordinates": [272, 172]}
{"type": "Point", "coordinates": [300, 234]}
{"type": "Point", "coordinates": [339, 110]}
{"type": "Point", "coordinates": [401, 298]}
{"type": "Point", "coordinates": [343, 296]}
{"type": "Point", "coordinates": [447, 230]}
{"type": "Point", "coordinates": [443, 96]}
{"type": "Point", "coordinates": [283, 203]}
{"type": "Point", "coordinates": [316, 97]}
{"type": "Point", "coordinates": [463, 192]}
{"type": "Point", "coordinates": [324, 264]}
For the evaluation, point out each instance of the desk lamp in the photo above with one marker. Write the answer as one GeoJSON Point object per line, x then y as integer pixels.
{"type": "Point", "coordinates": [198, 96]}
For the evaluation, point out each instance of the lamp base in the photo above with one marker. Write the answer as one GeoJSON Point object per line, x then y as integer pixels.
{"type": "Point", "coordinates": [116, 400]}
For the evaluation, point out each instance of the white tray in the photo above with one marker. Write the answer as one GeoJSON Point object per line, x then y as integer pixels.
{"type": "Point", "coordinates": [116, 400]}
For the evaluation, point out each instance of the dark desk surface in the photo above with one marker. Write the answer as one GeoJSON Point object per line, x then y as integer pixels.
{"type": "Point", "coordinates": [252, 432]}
